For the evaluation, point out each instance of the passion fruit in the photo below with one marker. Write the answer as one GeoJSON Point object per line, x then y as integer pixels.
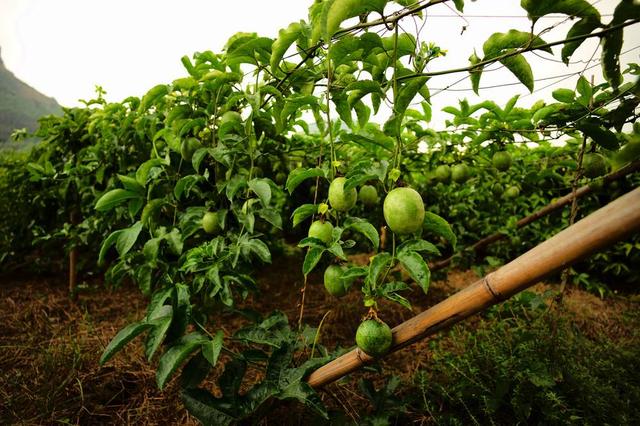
{"type": "Point", "coordinates": [374, 337]}
{"type": "Point", "coordinates": [501, 160]}
{"type": "Point", "coordinates": [368, 195]}
{"type": "Point", "coordinates": [342, 199]}
{"type": "Point", "coordinates": [211, 223]}
{"type": "Point", "coordinates": [333, 282]}
{"type": "Point", "coordinates": [322, 231]}
{"type": "Point", "coordinates": [443, 173]}
{"type": "Point", "coordinates": [403, 210]}
{"type": "Point", "coordinates": [460, 173]}
{"type": "Point", "coordinates": [511, 192]}
{"type": "Point", "coordinates": [594, 165]}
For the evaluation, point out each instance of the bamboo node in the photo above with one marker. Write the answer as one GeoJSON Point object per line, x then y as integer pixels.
{"type": "Point", "coordinates": [495, 294]}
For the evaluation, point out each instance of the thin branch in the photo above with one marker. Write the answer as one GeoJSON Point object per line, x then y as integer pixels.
{"type": "Point", "coordinates": [519, 51]}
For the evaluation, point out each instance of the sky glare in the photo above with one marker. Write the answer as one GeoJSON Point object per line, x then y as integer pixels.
{"type": "Point", "coordinates": [64, 48]}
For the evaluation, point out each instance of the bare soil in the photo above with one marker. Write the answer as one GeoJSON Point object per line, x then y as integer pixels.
{"type": "Point", "coordinates": [50, 345]}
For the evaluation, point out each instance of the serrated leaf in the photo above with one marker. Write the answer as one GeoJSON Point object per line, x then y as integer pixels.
{"type": "Point", "coordinates": [368, 230]}
{"type": "Point", "coordinates": [378, 264]}
{"type": "Point", "coordinates": [202, 405]}
{"type": "Point", "coordinates": [286, 37]}
{"type": "Point", "coordinates": [340, 10]}
{"type": "Point", "coordinates": [303, 212]}
{"type": "Point", "coordinates": [440, 227]}
{"type": "Point", "coordinates": [262, 189]}
{"type": "Point", "coordinates": [211, 348]}
{"type": "Point", "coordinates": [161, 320]}
{"type": "Point", "coordinates": [176, 355]}
{"type": "Point", "coordinates": [113, 198]}
{"type": "Point", "coordinates": [582, 27]}
{"type": "Point", "coordinates": [131, 184]}
{"type": "Point", "coordinates": [311, 259]}
{"type": "Point", "coordinates": [419, 245]}
{"type": "Point", "coordinates": [601, 136]}
{"type": "Point", "coordinates": [417, 268]}
{"type": "Point", "coordinates": [123, 337]}
{"type": "Point", "coordinates": [272, 216]}
{"type": "Point", "coordinates": [538, 8]}
{"type": "Point", "coordinates": [297, 176]}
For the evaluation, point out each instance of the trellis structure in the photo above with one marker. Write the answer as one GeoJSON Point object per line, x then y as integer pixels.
{"type": "Point", "coordinates": [602, 228]}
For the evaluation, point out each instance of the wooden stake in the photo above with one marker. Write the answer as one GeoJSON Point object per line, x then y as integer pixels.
{"type": "Point", "coordinates": [545, 211]}
{"type": "Point", "coordinates": [73, 258]}
{"type": "Point", "coordinates": [600, 229]}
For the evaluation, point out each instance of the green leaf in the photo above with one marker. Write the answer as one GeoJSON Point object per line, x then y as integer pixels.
{"type": "Point", "coordinates": [272, 216]}
{"type": "Point", "coordinates": [368, 230]}
{"type": "Point", "coordinates": [211, 348]}
{"type": "Point", "coordinates": [113, 198]}
{"type": "Point", "coordinates": [419, 245]}
{"type": "Point", "coordinates": [582, 27]}
{"type": "Point", "coordinates": [106, 244]}
{"type": "Point", "coordinates": [303, 212]}
{"type": "Point", "coordinates": [127, 238]}
{"type": "Point", "coordinates": [202, 405]}
{"type": "Point", "coordinates": [161, 320]}
{"type": "Point", "coordinates": [297, 176]}
{"type": "Point", "coordinates": [340, 10]}
{"type": "Point", "coordinates": [311, 259]}
{"type": "Point", "coordinates": [564, 95]}
{"type": "Point", "coordinates": [286, 37]}
{"type": "Point", "coordinates": [123, 337]}
{"type": "Point", "coordinates": [262, 189]}
{"type": "Point", "coordinates": [176, 355]}
{"type": "Point", "coordinates": [440, 227]}
{"type": "Point", "coordinates": [538, 8]}
{"type": "Point", "coordinates": [379, 263]}
{"type": "Point", "coordinates": [131, 184]}
{"type": "Point", "coordinates": [601, 136]}
{"type": "Point", "coordinates": [153, 96]}
{"type": "Point", "coordinates": [519, 66]}
{"type": "Point", "coordinates": [417, 268]}
{"type": "Point", "coordinates": [259, 248]}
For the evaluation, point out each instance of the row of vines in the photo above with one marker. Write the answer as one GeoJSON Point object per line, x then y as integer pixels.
{"type": "Point", "coordinates": [319, 138]}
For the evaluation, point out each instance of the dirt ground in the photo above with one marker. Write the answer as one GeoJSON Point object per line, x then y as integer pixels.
{"type": "Point", "coordinates": [50, 345]}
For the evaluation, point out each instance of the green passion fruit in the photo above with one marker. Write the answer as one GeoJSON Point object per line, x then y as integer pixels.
{"type": "Point", "coordinates": [211, 223]}
{"type": "Point", "coordinates": [374, 337]}
{"type": "Point", "coordinates": [230, 117]}
{"type": "Point", "coordinates": [594, 165]}
{"type": "Point", "coordinates": [501, 160]}
{"type": "Point", "coordinates": [333, 282]}
{"type": "Point", "coordinates": [443, 173]}
{"type": "Point", "coordinates": [403, 210]}
{"type": "Point", "coordinates": [460, 173]}
{"type": "Point", "coordinates": [368, 195]}
{"type": "Point", "coordinates": [339, 198]}
{"type": "Point", "coordinates": [322, 231]}
{"type": "Point", "coordinates": [281, 178]}
{"type": "Point", "coordinates": [511, 192]}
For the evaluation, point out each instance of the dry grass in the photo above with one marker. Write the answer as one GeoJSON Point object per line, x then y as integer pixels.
{"type": "Point", "coordinates": [50, 347]}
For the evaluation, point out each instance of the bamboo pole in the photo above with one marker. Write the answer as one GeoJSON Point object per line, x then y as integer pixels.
{"type": "Point", "coordinates": [604, 227]}
{"type": "Point", "coordinates": [548, 209]}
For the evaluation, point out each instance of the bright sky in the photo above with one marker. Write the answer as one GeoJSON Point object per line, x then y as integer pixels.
{"type": "Point", "coordinates": [64, 48]}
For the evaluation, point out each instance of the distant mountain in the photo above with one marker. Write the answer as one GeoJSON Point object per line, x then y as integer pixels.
{"type": "Point", "coordinates": [20, 104]}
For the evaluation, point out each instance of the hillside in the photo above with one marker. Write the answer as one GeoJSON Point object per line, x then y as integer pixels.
{"type": "Point", "coordinates": [20, 104]}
